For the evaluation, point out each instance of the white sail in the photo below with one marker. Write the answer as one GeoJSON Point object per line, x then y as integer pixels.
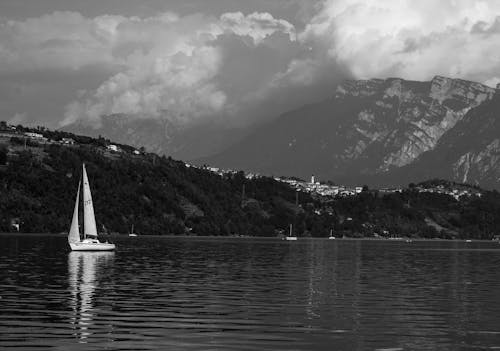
{"type": "Point", "coordinates": [90, 228]}
{"type": "Point", "coordinates": [74, 232]}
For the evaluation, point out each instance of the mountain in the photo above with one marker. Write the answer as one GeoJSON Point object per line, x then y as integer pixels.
{"type": "Point", "coordinates": [40, 168]}
{"type": "Point", "coordinates": [370, 130]}
{"type": "Point", "coordinates": [162, 136]}
{"type": "Point", "coordinates": [469, 152]}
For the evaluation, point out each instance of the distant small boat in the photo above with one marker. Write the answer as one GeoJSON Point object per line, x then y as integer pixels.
{"type": "Point", "coordinates": [89, 242]}
{"type": "Point", "coordinates": [290, 237]}
{"type": "Point", "coordinates": [132, 232]}
{"type": "Point", "coordinates": [468, 241]}
{"type": "Point", "coordinates": [331, 237]}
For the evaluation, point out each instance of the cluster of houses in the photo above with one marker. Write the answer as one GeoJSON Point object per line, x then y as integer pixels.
{"type": "Point", "coordinates": [321, 189]}
{"type": "Point", "coordinates": [9, 131]}
{"type": "Point", "coordinates": [325, 189]}
{"type": "Point", "coordinates": [340, 190]}
{"type": "Point", "coordinates": [451, 191]}
{"type": "Point", "coordinates": [43, 140]}
{"type": "Point", "coordinates": [312, 186]}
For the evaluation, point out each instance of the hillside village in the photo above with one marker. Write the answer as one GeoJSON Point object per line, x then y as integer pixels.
{"type": "Point", "coordinates": [200, 200]}
{"type": "Point", "coordinates": [26, 137]}
{"type": "Point", "coordinates": [329, 189]}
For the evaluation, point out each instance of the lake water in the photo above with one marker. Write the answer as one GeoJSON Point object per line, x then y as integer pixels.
{"type": "Point", "coordinates": [249, 294]}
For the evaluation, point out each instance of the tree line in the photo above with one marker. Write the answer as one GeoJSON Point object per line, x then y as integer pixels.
{"type": "Point", "coordinates": [160, 196]}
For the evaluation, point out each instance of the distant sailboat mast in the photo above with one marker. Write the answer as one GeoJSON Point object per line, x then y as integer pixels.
{"type": "Point", "coordinates": [89, 225]}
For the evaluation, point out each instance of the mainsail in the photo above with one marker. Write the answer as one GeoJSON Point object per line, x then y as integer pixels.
{"type": "Point", "coordinates": [90, 228]}
{"type": "Point", "coordinates": [74, 232]}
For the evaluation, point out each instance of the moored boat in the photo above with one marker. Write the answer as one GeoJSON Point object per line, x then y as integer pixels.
{"type": "Point", "coordinates": [331, 237]}
{"type": "Point", "coordinates": [290, 236]}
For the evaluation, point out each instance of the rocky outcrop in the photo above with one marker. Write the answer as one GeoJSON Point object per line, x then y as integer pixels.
{"type": "Point", "coordinates": [472, 166]}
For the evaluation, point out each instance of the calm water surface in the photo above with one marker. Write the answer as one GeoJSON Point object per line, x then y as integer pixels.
{"type": "Point", "coordinates": [249, 294]}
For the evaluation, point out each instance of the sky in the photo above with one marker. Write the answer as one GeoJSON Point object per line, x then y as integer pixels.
{"type": "Point", "coordinates": [226, 61]}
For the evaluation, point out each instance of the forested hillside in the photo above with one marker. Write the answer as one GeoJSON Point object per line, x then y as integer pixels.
{"type": "Point", "coordinates": [158, 195]}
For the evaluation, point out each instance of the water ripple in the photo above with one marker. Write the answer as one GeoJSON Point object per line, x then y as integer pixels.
{"type": "Point", "coordinates": [249, 294]}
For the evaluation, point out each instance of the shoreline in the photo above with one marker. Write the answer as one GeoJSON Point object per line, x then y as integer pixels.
{"type": "Point", "coordinates": [220, 237]}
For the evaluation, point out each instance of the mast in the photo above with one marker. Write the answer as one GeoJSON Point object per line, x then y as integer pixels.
{"type": "Point", "coordinates": [74, 231]}
{"type": "Point", "coordinates": [90, 228]}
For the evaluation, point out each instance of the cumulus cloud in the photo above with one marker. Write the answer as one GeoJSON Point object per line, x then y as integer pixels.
{"type": "Point", "coordinates": [171, 65]}
{"type": "Point", "coordinates": [237, 65]}
{"type": "Point", "coordinates": [412, 39]}
{"type": "Point", "coordinates": [256, 25]}
{"type": "Point", "coordinates": [166, 66]}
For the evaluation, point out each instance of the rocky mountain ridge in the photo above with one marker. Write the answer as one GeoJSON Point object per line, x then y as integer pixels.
{"type": "Point", "coordinates": [469, 153]}
{"type": "Point", "coordinates": [376, 131]}
{"type": "Point", "coordinates": [367, 131]}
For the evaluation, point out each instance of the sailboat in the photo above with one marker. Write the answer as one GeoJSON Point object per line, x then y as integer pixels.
{"type": "Point", "coordinates": [132, 232]}
{"type": "Point", "coordinates": [89, 242]}
{"type": "Point", "coordinates": [290, 235]}
{"type": "Point", "coordinates": [331, 235]}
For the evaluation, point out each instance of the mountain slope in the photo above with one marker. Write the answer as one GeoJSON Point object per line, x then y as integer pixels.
{"type": "Point", "coordinates": [161, 135]}
{"type": "Point", "coordinates": [39, 176]}
{"type": "Point", "coordinates": [470, 152]}
{"type": "Point", "coordinates": [365, 131]}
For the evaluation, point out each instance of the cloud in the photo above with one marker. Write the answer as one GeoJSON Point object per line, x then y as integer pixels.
{"type": "Point", "coordinates": [164, 66]}
{"type": "Point", "coordinates": [171, 65]}
{"type": "Point", "coordinates": [256, 25]}
{"type": "Point", "coordinates": [55, 41]}
{"type": "Point", "coordinates": [493, 82]}
{"type": "Point", "coordinates": [411, 39]}
{"type": "Point", "coordinates": [177, 86]}
{"type": "Point", "coordinates": [236, 66]}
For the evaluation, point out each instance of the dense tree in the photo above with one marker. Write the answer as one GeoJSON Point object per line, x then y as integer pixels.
{"type": "Point", "coordinates": [159, 195]}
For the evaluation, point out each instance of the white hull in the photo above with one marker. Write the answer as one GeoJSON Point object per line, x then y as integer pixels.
{"type": "Point", "coordinates": [290, 238]}
{"type": "Point", "coordinates": [331, 238]}
{"type": "Point", "coordinates": [82, 246]}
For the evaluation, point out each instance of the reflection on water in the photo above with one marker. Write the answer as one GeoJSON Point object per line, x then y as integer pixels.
{"type": "Point", "coordinates": [83, 275]}
{"type": "Point", "coordinates": [249, 294]}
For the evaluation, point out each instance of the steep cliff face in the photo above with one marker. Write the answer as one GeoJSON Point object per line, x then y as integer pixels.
{"type": "Point", "coordinates": [421, 113]}
{"type": "Point", "coordinates": [470, 152]}
{"type": "Point", "coordinates": [377, 131]}
{"type": "Point", "coordinates": [369, 127]}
